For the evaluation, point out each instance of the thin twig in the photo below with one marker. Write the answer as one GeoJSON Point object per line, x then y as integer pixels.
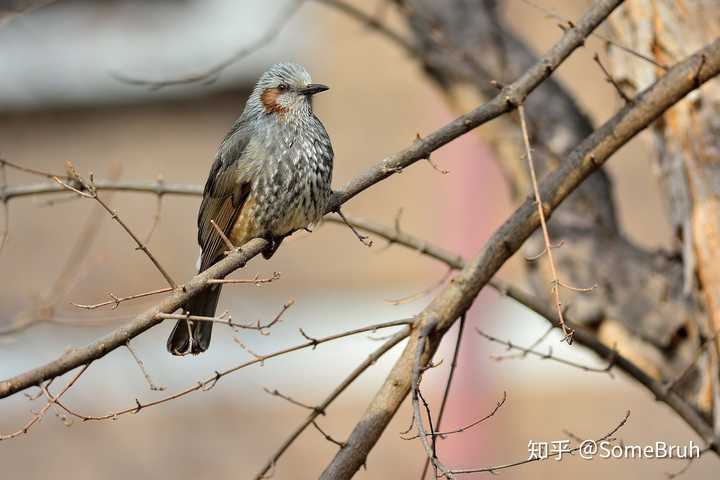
{"type": "Point", "coordinates": [530, 347]}
{"type": "Point", "coordinates": [31, 171]}
{"type": "Point", "coordinates": [374, 24]}
{"type": "Point", "coordinates": [224, 237]}
{"type": "Point", "coordinates": [211, 381]}
{"type": "Point", "coordinates": [532, 258]}
{"type": "Point", "coordinates": [363, 238]}
{"type": "Point", "coordinates": [52, 400]}
{"type": "Point", "coordinates": [370, 360]}
{"type": "Point", "coordinates": [211, 74]}
{"type": "Point", "coordinates": [609, 78]}
{"type": "Point", "coordinates": [422, 293]}
{"type": "Point", "coordinates": [327, 437]}
{"type": "Point", "coordinates": [456, 298]}
{"type": "Point", "coordinates": [145, 373]}
{"type": "Point", "coordinates": [446, 433]}
{"type": "Point", "coordinates": [602, 37]}
{"type": "Point", "coordinates": [157, 214]}
{"type": "Point", "coordinates": [116, 301]}
{"type": "Point", "coordinates": [688, 464]}
{"type": "Point", "coordinates": [545, 356]}
{"type": "Point", "coordinates": [571, 451]}
{"type": "Point", "coordinates": [91, 192]}
{"type": "Point", "coordinates": [226, 319]}
{"type": "Point", "coordinates": [276, 393]}
{"type": "Point", "coordinates": [394, 235]}
{"type": "Point", "coordinates": [581, 163]}
{"type": "Point", "coordinates": [446, 391]}
{"type": "Point", "coordinates": [389, 238]}
{"type": "Point", "coordinates": [430, 161]}
{"type": "Point", "coordinates": [130, 186]}
{"type": "Point", "coordinates": [541, 213]}
{"type": "Point", "coordinates": [416, 396]}
{"type": "Point", "coordinates": [45, 306]}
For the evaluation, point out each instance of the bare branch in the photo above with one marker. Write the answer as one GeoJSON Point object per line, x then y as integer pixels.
{"type": "Point", "coordinates": [602, 37]}
{"type": "Point", "coordinates": [31, 171]}
{"type": "Point", "coordinates": [156, 215]}
{"type": "Point", "coordinates": [581, 162]}
{"type": "Point", "coordinates": [44, 306]}
{"type": "Point", "coordinates": [506, 100]}
{"type": "Point", "coordinates": [140, 186]}
{"type": "Point", "coordinates": [546, 356]}
{"type": "Point", "coordinates": [363, 239]}
{"type": "Point", "coordinates": [52, 400]}
{"type": "Point", "coordinates": [525, 351]}
{"type": "Point", "coordinates": [327, 437]}
{"type": "Point", "coordinates": [492, 413]}
{"type": "Point", "coordinates": [211, 74]}
{"type": "Point", "coordinates": [374, 24]}
{"type": "Point", "coordinates": [89, 191]}
{"type": "Point", "coordinates": [446, 391]}
{"type": "Point", "coordinates": [224, 237]}
{"type": "Point", "coordinates": [276, 393]}
{"type": "Point", "coordinates": [395, 236]}
{"type": "Point", "coordinates": [497, 468]}
{"type": "Point", "coordinates": [422, 293]}
{"type": "Point", "coordinates": [226, 319]}
{"type": "Point", "coordinates": [116, 301]}
{"type": "Point", "coordinates": [609, 78]}
{"type": "Point", "coordinates": [546, 236]}
{"type": "Point", "coordinates": [584, 160]}
{"type": "Point", "coordinates": [417, 369]}
{"type": "Point", "coordinates": [211, 381]}
{"type": "Point", "coordinates": [320, 409]}
{"type": "Point", "coordinates": [141, 365]}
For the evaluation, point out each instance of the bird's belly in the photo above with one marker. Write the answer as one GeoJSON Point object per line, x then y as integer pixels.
{"type": "Point", "coordinates": [294, 219]}
{"type": "Point", "coordinates": [297, 214]}
{"type": "Point", "coordinates": [278, 216]}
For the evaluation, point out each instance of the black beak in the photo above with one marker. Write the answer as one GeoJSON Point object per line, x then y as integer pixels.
{"type": "Point", "coordinates": [313, 88]}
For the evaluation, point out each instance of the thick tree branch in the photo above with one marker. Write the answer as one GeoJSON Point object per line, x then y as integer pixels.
{"type": "Point", "coordinates": [460, 294]}
{"type": "Point", "coordinates": [508, 99]}
{"type": "Point", "coordinates": [320, 409]}
{"type": "Point", "coordinates": [583, 336]}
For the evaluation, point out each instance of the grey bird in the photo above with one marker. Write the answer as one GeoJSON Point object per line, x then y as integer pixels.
{"type": "Point", "coordinates": [271, 176]}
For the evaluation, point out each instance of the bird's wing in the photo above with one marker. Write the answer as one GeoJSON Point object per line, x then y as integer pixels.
{"type": "Point", "coordinates": [226, 190]}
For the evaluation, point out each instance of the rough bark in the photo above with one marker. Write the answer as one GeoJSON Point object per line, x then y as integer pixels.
{"type": "Point", "coordinates": [687, 142]}
{"type": "Point", "coordinates": [457, 297]}
{"type": "Point", "coordinates": [639, 302]}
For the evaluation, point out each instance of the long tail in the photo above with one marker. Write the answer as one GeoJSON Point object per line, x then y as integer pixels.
{"type": "Point", "coordinates": [194, 336]}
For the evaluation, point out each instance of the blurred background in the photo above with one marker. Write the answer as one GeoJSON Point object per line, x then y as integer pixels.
{"type": "Point", "coordinates": [61, 100]}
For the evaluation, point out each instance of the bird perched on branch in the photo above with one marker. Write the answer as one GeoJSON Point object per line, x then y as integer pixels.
{"type": "Point", "coordinates": [271, 176]}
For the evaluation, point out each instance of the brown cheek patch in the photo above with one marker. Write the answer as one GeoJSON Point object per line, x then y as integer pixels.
{"type": "Point", "coordinates": [269, 100]}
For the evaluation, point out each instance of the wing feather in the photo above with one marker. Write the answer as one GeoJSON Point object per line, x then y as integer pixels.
{"type": "Point", "coordinates": [225, 193]}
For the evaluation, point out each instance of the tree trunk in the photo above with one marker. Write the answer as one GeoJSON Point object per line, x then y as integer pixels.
{"type": "Point", "coordinates": [687, 142]}
{"type": "Point", "coordinates": [646, 303]}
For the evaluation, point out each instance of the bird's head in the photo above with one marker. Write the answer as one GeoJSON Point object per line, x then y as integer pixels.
{"type": "Point", "coordinates": [284, 90]}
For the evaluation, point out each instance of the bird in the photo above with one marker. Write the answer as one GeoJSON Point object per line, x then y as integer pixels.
{"type": "Point", "coordinates": [271, 177]}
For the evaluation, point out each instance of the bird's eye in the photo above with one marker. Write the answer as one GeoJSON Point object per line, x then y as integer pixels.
{"type": "Point", "coordinates": [282, 87]}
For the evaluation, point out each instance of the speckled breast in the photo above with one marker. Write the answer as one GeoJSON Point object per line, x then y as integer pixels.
{"type": "Point", "coordinates": [293, 190]}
